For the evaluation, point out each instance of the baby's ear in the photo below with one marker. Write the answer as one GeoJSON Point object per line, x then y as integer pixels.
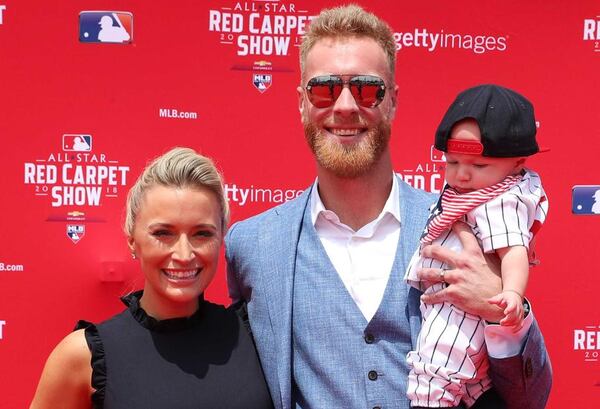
{"type": "Point", "coordinates": [520, 163]}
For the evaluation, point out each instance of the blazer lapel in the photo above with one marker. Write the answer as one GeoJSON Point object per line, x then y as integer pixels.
{"type": "Point", "coordinates": [278, 240]}
{"type": "Point", "coordinates": [411, 219]}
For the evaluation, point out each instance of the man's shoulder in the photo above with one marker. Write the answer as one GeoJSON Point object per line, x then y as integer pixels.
{"type": "Point", "coordinates": [269, 218]}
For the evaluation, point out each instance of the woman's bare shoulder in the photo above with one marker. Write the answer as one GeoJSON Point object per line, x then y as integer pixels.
{"type": "Point", "coordinates": [66, 378]}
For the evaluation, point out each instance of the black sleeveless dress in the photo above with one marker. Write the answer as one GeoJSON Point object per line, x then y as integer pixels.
{"type": "Point", "coordinates": [207, 360]}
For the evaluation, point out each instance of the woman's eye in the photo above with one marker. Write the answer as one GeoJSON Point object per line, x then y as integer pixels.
{"type": "Point", "coordinates": [161, 233]}
{"type": "Point", "coordinates": [204, 233]}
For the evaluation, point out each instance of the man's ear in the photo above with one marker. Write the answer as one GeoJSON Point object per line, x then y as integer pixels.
{"type": "Point", "coordinates": [395, 95]}
{"type": "Point", "coordinates": [301, 100]}
{"type": "Point", "coordinates": [394, 99]}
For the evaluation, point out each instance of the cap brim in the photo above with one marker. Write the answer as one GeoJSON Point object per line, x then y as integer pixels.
{"type": "Point", "coordinates": [544, 149]}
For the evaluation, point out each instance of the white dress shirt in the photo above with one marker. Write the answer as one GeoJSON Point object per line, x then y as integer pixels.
{"type": "Point", "coordinates": [364, 258]}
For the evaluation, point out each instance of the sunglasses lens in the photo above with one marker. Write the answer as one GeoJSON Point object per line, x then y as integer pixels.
{"type": "Point", "coordinates": [368, 90]}
{"type": "Point", "coordinates": [324, 90]}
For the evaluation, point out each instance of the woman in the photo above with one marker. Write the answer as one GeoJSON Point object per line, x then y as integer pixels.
{"type": "Point", "coordinates": [170, 348]}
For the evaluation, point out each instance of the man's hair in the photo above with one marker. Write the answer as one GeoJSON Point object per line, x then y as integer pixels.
{"type": "Point", "coordinates": [178, 168]}
{"type": "Point", "coordinates": [349, 21]}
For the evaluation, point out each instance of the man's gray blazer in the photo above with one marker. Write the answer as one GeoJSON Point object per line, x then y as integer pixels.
{"type": "Point", "coordinates": [261, 254]}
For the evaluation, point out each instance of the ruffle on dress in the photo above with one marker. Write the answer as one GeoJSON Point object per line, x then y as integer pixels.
{"type": "Point", "coordinates": [94, 342]}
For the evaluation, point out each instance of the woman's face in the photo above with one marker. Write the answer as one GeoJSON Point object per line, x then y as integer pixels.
{"type": "Point", "coordinates": [177, 237]}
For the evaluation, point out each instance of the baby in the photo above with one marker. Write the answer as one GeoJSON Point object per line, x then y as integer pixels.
{"type": "Point", "coordinates": [486, 135]}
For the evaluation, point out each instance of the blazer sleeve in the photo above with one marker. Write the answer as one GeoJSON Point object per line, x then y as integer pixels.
{"type": "Point", "coordinates": [524, 381]}
{"type": "Point", "coordinates": [231, 256]}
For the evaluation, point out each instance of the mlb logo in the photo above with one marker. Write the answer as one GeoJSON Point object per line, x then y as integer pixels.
{"type": "Point", "coordinates": [77, 143]}
{"type": "Point", "coordinates": [436, 155]}
{"type": "Point", "coordinates": [106, 27]}
{"type": "Point", "coordinates": [75, 232]}
{"type": "Point", "coordinates": [262, 82]}
{"type": "Point", "coordinates": [586, 199]}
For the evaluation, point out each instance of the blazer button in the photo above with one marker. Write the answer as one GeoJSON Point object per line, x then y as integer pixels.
{"type": "Point", "coordinates": [528, 368]}
{"type": "Point", "coordinates": [369, 338]}
{"type": "Point", "coordinates": [373, 375]}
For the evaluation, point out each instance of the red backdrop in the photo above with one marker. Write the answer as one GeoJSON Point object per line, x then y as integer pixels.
{"type": "Point", "coordinates": [220, 77]}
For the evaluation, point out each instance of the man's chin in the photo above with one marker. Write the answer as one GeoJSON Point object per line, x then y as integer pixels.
{"type": "Point", "coordinates": [347, 160]}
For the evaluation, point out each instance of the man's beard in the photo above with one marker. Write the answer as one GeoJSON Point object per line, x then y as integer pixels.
{"type": "Point", "coordinates": [348, 161]}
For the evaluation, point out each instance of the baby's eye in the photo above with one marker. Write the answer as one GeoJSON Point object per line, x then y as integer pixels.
{"type": "Point", "coordinates": [480, 165]}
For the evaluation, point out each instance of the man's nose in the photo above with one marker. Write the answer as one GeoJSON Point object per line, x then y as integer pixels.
{"type": "Point", "coordinates": [345, 104]}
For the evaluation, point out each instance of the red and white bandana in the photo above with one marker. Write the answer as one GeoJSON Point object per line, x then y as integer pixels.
{"type": "Point", "coordinates": [452, 205]}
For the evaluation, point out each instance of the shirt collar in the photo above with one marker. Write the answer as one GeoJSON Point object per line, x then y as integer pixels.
{"type": "Point", "coordinates": [317, 208]}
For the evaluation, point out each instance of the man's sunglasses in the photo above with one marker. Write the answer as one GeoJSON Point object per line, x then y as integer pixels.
{"type": "Point", "coordinates": [324, 90]}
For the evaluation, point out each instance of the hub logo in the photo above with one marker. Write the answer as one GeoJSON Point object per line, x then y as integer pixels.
{"type": "Point", "coordinates": [77, 143]}
{"type": "Point", "coordinates": [586, 199]}
{"type": "Point", "coordinates": [106, 27]}
{"type": "Point", "coordinates": [75, 232]}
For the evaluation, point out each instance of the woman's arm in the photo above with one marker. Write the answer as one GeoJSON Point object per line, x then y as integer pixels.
{"type": "Point", "coordinates": [66, 379]}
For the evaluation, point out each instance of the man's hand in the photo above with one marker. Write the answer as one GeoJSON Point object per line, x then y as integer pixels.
{"type": "Point", "coordinates": [472, 281]}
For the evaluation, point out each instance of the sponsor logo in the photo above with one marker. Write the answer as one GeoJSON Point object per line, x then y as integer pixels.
{"type": "Point", "coordinates": [75, 232]}
{"type": "Point", "coordinates": [585, 199]}
{"type": "Point", "coordinates": [432, 41]}
{"type": "Point", "coordinates": [74, 216]}
{"type": "Point", "coordinates": [260, 66]}
{"type": "Point", "coordinates": [114, 27]}
{"type": "Point", "coordinates": [262, 73]}
{"type": "Point", "coordinates": [261, 80]}
{"type": "Point", "coordinates": [587, 340]}
{"type": "Point", "coordinates": [259, 27]}
{"type": "Point", "coordinates": [2, 324]}
{"type": "Point", "coordinates": [76, 177]}
{"type": "Point", "coordinates": [246, 195]}
{"type": "Point", "coordinates": [2, 8]}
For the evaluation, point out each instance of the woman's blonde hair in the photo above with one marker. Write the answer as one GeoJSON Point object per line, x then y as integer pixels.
{"type": "Point", "coordinates": [178, 168]}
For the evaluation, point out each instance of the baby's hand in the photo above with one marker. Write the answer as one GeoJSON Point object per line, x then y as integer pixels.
{"type": "Point", "coordinates": [512, 304]}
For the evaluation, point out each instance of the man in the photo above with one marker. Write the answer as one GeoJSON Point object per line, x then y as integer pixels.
{"type": "Point", "coordinates": [322, 274]}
